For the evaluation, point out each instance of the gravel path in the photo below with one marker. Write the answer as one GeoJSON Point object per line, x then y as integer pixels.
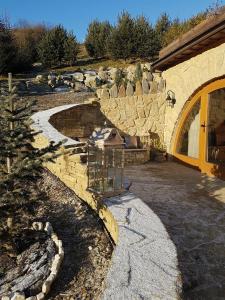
{"type": "Point", "coordinates": [192, 208]}
{"type": "Point", "coordinates": [88, 248]}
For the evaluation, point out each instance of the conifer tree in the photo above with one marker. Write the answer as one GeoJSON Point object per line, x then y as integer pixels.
{"type": "Point", "coordinates": [7, 48]}
{"type": "Point", "coordinates": [96, 41]}
{"type": "Point", "coordinates": [20, 162]}
{"type": "Point", "coordinates": [122, 40]}
{"type": "Point", "coordinates": [71, 49]}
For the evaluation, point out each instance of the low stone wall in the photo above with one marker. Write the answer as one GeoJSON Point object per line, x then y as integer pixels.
{"type": "Point", "coordinates": [142, 116]}
{"type": "Point", "coordinates": [68, 167]}
{"type": "Point", "coordinates": [136, 156]}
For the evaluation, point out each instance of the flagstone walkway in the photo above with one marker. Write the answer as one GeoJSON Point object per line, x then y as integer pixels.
{"type": "Point", "coordinates": [192, 208]}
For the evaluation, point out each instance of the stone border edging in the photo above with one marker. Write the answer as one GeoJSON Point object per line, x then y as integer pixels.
{"type": "Point", "coordinates": [55, 267]}
{"type": "Point", "coordinates": [144, 263]}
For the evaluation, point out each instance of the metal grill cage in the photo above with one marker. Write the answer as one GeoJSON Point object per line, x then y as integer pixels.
{"type": "Point", "coordinates": [105, 170]}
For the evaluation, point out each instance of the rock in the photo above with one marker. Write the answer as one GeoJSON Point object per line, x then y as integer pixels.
{"type": "Point", "coordinates": [37, 226]}
{"type": "Point", "coordinates": [130, 76]}
{"type": "Point", "coordinates": [105, 94]}
{"type": "Point", "coordinates": [99, 93]}
{"type": "Point", "coordinates": [138, 89]}
{"type": "Point", "coordinates": [48, 228]}
{"type": "Point", "coordinates": [39, 78]}
{"type": "Point", "coordinates": [148, 76]}
{"type": "Point", "coordinates": [145, 86]}
{"type": "Point", "coordinates": [162, 85]}
{"type": "Point", "coordinates": [40, 296]}
{"type": "Point", "coordinates": [46, 287]}
{"type": "Point", "coordinates": [113, 91]}
{"type": "Point", "coordinates": [154, 87]}
{"type": "Point", "coordinates": [122, 91]}
{"type": "Point", "coordinates": [148, 66]}
{"type": "Point", "coordinates": [10, 223]}
{"type": "Point", "coordinates": [5, 298]}
{"type": "Point", "coordinates": [80, 87]}
{"type": "Point", "coordinates": [129, 89]}
{"type": "Point", "coordinates": [112, 73]}
{"type": "Point", "coordinates": [55, 239]}
{"type": "Point", "coordinates": [18, 296]}
{"type": "Point", "coordinates": [92, 81]}
{"type": "Point", "coordinates": [78, 76]}
{"type": "Point", "coordinates": [103, 75]}
{"type": "Point", "coordinates": [32, 298]}
{"type": "Point", "coordinates": [89, 248]}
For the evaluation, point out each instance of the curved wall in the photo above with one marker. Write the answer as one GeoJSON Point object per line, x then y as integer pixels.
{"type": "Point", "coordinates": [186, 78]}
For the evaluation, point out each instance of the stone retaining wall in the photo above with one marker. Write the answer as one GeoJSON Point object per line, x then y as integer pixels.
{"type": "Point", "coordinates": [69, 168]}
{"type": "Point", "coordinates": [136, 156]}
{"type": "Point", "coordinates": [142, 116]}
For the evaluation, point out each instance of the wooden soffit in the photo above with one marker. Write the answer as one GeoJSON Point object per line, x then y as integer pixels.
{"type": "Point", "coordinates": [208, 34]}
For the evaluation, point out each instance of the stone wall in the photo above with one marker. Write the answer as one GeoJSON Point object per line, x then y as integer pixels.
{"type": "Point", "coordinates": [79, 121]}
{"type": "Point", "coordinates": [187, 77]}
{"type": "Point", "coordinates": [141, 116]}
{"type": "Point", "coordinates": [136, 156]}
{"type": "Point", "coordinates": [69, 167]}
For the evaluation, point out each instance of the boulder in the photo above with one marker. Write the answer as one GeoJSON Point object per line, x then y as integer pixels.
{"type": "Point", "coordinates": [112, 73]}
{"type": "Point", "coordinates": [154, 87]}
{"type": "Point", "coordinates": [103, 75]}
{"type": "Point", "coordinates": [138, 89]}
{"type": "Point", "coordinates": [39, 78]}
{"type": "Point", "coordinates": [80, 87]}
{"type": "Point", "coordinates": [148, 76]}
{"type": "Point", "coordinates": [129, 89]}
{"type": "Point", "coordinates": [105, 94]}
{"type": "Point", "coordinates": [162, 85]}
{"type": "Point", "coordinates": [145, 86]}
{"type": "Point", "coordinates": [18, 296]}
{"type": "Point", "coordinates": [122, 91]}
{"type": "Point", "coordinates": [148, 66]}
{"type": "Point", "coordinates": [113, 91]}
{"type": "Point", "coordinates": [92, 81]}
{"type": "Point", "coordinates": [78, 76]}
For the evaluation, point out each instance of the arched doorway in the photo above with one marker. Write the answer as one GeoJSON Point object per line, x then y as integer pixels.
{"type": "Point", "coordinates": [200, 134]}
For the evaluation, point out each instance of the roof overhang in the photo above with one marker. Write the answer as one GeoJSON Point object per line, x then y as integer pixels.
{"type": "Point", "coordinates": [208, 34]}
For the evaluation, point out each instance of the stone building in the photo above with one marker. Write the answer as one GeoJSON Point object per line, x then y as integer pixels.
{"type": "Point", "coordinates": [194, 69]}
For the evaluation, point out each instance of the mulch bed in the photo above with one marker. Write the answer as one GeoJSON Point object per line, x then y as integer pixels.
{"type": "Point", "coordinates": [87, 246]}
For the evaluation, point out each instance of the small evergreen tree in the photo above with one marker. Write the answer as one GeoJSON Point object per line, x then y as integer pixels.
{"type": "Point", "coordinates": [96, 41]}
{"type": "Point", "coordinates": [20, 162]}
{"type": "Point", "coordinates": [7, 48]}
{"type": "Point", "coordinates": [122, 40]}
{"type": "Point", "coordinates": [71, 49]}
{"type": "Point", "coordinates": [161, 27]}
{"type": "Point", "coordinates": [52, 47]}
{"type": "Point", "coordinates": [145, 39]}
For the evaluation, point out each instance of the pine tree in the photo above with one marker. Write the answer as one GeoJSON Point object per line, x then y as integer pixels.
{"type": "Point", "coordinates": [20, 162]}
{"type": "Point", "coordinates": [161, 27]}
{"type": "Point", "coordinates": [122, 40]}
{"type": "Point", "coordinates": [71, 49]}
{"type": "Point", "coordinates": [7, 48]}
{"type": "Point", "coordinates": [52, 47]}
{"type": "Point", "coordinates": [145, 39]}
{"type": "Point", "coordinates": [96, 41]}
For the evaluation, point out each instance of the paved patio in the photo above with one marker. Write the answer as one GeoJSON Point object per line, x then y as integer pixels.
{"type": "Point", "coordinates": [192, 208]}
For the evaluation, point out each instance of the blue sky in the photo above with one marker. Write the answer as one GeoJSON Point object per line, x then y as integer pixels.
{"type": "Point", "coordinates": [77, 14]}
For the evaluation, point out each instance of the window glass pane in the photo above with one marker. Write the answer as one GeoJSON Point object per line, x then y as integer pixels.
{"type": "Point", "coordinates": [189, 137]}
{"type": "Point", "coordinates": [216, 127]}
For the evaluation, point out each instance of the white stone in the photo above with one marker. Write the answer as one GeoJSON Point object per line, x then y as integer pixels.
{"type": "Point", "coordinates": [89, 248]}
{"type": "Point", "coordinates": [5, 298]}
{"type": "Point", "coordinates": [37, 226]}
{"type": "Point", "coordinates": [55, 239]}
{"type": "Point", "coordinates": [46, 286]}
{"type": "Point", "coordinates": [78, 76]}
{"type": "Point", "coordinates": [18, 296]}
{"type": "Point", "coordinates": [48, 228]}
{"type": "Point", "coordinates": [40, 296]}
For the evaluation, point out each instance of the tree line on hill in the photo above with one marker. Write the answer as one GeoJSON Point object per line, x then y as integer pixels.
{"type": "Point", "coordinates": [130, 38]}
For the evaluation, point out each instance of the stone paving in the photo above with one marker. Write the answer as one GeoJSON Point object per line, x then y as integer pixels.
{"type": "Point", "coordinates": [192, 208]}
